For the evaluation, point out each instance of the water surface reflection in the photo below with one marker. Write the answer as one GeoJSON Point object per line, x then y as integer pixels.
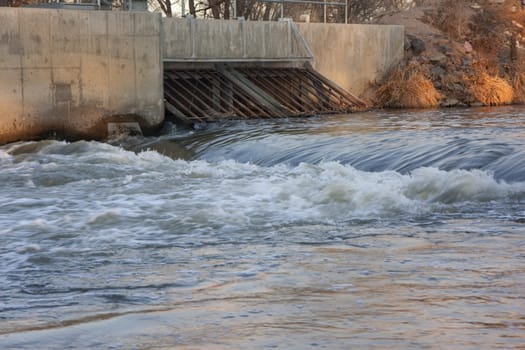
{"type": "Point", "coordinates": [388, 230]}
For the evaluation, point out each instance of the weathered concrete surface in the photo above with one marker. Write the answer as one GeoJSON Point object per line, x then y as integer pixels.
{"type": "Point", "coordinates": [353, 55]}
{"type": "Point", "coordinates": [230, 40]}
{"type": "Point", "coordinates": [71, 72]}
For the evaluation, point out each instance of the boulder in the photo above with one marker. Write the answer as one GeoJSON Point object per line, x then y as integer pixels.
{"type": "Point", "coordinates": [450, 102]}
{"type": "Point", "coordinates": [438, 58]}
{"type": "Point", "coordinates": [437, 71]}
{"type": "Point", "coordinates": [417, 45]}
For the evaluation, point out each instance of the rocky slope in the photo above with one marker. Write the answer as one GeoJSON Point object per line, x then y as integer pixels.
{"type": "Point", "coordinates": [468, 51]}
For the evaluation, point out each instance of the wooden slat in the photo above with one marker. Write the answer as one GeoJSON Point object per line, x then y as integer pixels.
{"type": "Point", "coordinates": [195, 95]}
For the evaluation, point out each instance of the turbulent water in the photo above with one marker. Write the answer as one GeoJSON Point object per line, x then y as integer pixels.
{"type": "Point", "coordinates": [384, 230]}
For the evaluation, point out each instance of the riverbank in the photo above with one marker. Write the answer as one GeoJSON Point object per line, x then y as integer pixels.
{"type": "Point", "coordinates": [456, 54]}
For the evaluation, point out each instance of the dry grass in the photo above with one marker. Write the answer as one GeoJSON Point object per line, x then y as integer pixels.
{"type": "Point", "coordinates": [451, 17]}
{"type": "Point", "coordinates": [489, 28]}
{"type": "Point", "coordinates": [407, 87]}
{"type": "Point", "coordinates": [517, 80]}
{"type": "Point", "coordinates": [488, 89]}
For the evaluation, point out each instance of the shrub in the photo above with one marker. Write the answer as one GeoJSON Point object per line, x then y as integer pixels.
{"type": "Point", "coordinates": [408, 87]}
{"type": "Point", "coordinates": [488, 89]}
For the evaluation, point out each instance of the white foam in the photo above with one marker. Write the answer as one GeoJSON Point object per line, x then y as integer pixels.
{"type": "Point", "coordinates": [456, 186]}
{"type": "Point", "coordinates": [4, 155]}
{"type": "Point", "coordinates": [130, 186]}
{"type": "Point", "coordinates": [29, 248]}
{"type": "Point", "coordinates": [328, 190]}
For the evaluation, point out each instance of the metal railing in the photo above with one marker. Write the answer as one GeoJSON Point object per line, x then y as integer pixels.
{"type": "Point", "coordinates": [125, 5]}
{"type": "Point", "coordinates": [324, 3]}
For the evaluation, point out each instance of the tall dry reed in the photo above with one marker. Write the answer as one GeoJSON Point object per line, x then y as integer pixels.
{"type": "Point", "coordinates": [407, 87]}
{"type": "Point", "coordinates": [488, 89]}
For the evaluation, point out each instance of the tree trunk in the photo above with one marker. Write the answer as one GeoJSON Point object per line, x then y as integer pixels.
{"type": "Point", "coordinates": [191, 5]}
{"type": "Point", "coordinates": [227, 9]}
{"type": "Point", "coordinates": [248, 9]}
{"type": "Point", "coordinates": [165, 6]}
{"type": "Point", "coordinates": [169, 13]}
{"type": "Point", "coordinates": [215, 9]}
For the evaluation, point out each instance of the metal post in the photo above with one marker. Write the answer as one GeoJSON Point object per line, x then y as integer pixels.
{"type": "Point", "coordinates": [346, 12]}
{"type": "Point", "coordinates": [182, 8]}
{"type": "Point", "coordinates": [289, 37]}
{"type": "Point", "coordinates": [282, 8]}
{"type": "Point", "coordinates": [243, 32]}
{"type": "Point", "coordinates": [192, 35]}
{"type": "Point", "coordinates": [234, 8]}
{"type": "Point", "coordinates": [324, 10]}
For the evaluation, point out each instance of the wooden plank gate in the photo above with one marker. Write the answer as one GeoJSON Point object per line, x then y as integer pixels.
{"type": "Point", "coordinates": [226, 92]}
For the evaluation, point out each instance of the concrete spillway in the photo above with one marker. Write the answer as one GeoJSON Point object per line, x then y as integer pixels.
{"type": "Point", "coordinates": [263, 70]}
{"type": "Point", "coordinates": [80, 74]}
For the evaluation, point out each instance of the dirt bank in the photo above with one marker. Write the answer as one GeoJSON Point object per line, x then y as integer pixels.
{"type": "Point", "coordinates": [457, 53]}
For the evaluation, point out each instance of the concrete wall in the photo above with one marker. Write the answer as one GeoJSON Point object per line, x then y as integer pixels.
{"type": "Point", "coordinates": [70, 72]}
{"type": "Point", "coordinates": [353, 55]}
{"type": "Point", "coordinates": [204, 40]}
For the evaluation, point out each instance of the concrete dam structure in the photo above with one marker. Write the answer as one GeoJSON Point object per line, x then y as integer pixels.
{"type": "Point", "coordinates": [78, 74]}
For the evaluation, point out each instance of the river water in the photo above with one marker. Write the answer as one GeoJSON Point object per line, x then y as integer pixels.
{"type": "Point", "coordinates": [380, 230]}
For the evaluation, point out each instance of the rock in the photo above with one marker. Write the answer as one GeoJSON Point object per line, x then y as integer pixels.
{"type": "Point", "coordinates": [458, 87]}
{"type": "Point", "coordinates": [445, 48]}
{"type": "Point", "coordinates": [417, 45]}
{"type": "Point", "coordinates": [468, 47]}
{"type": "Point", "coordinates": [476, 104]}
{"type": "Point", "coordinates": [450, 102]}
{"type": "Point", "coordinates": [438, 58]}
{"type": "Point", "coordinates": [423, 59]}
{"type": "Point", "coordinates": [437, 71]}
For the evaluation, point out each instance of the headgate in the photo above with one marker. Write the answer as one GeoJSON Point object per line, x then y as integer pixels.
{"type": "Point", "coordinates": [229, 92]}
{"type": "Point", "coordinates": [221, 70]}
